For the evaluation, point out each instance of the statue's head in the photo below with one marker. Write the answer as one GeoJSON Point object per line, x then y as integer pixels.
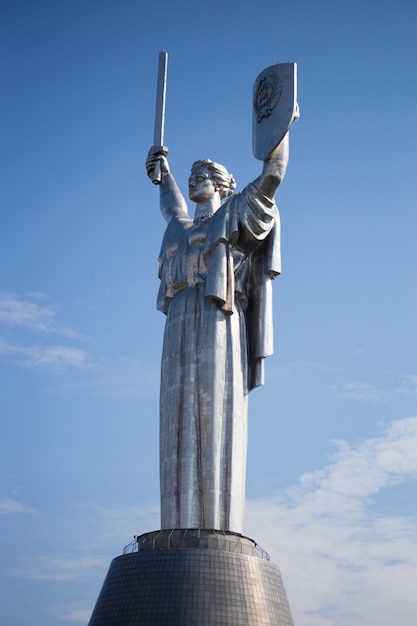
{"type": "Point", "coordinates": [223, 181]}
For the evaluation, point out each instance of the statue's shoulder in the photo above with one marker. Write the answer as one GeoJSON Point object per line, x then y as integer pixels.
{"type": "Point", "coordinates": [234, 204]}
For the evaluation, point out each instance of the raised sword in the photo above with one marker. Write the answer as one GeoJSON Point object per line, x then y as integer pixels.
{"type": "Point", "coordinates": [159, 128]}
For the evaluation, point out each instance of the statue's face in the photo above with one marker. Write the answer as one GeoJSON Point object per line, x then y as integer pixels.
{"type": "Point", "coordinates": [200, 186]}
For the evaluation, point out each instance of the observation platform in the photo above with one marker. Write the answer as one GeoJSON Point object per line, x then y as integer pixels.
{"type": "Point", "coordinates": [192, 577]}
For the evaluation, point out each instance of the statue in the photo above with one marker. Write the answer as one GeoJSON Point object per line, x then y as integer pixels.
{"type": "Point", "coordinates": [216, 270]}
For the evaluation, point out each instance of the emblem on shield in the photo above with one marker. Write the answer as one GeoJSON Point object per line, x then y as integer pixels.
{"type": "Point", "coordinates": [267, 94]}
{"type": "Point", "coordinates": [274, 106]}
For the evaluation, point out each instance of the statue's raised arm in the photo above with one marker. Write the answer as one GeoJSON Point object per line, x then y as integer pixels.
{"type": "Point", "coordinates": [274, 168]}
{"type": "Point", "coordinates": [172, 202]}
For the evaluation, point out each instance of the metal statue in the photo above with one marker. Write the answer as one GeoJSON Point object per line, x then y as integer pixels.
{"type": "Point", "coordinates": [216, 270]}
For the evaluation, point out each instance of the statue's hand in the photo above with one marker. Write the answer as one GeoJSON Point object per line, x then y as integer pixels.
{"type": "Point", "coordinates": [157, 163]}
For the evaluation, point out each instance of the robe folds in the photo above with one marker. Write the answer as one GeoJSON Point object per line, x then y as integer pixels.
{"type": "Point", "coordinates": [216, 292]}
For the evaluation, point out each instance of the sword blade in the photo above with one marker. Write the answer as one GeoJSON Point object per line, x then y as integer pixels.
{"type": "Point", "coordinates": [158, 137]}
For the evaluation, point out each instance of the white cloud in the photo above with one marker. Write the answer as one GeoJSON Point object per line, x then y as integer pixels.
{"type": "Point", "coordinates": [119, 524]}
{"type": "Point", "coordinates": [8, 506]}
{"type": "Point", "coordinates": [55, 356]}
{"type": "Point", "coordinates": [59, 569]}
{"type": "Point", "coordinates": [77, 615]}
{"type": "Point", "coordinates": [16, 311]}
{"type": "Point", "coordinates": [119, 376]}
{"type": "Point", "coordinates": [344, 561]}
{"type": "Point", "coordinates": [409, 385]}
{"type": "Point", "coordinates": [357, 390]}
{"type": "Point", "coordinates": [365, 392]}
{"type": "Point", "coordinates": [27, 324]}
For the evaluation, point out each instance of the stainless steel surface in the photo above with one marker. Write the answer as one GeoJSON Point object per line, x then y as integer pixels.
{"type": "Point", "coordinates": [274, 107]}
{"type": "Point", "coordinates": [216, 272]}
{"type": "Point", "coordinates": [158, 137]}
{"type": "Point", "coordinates": [197, 538]}
{"type": "Point", "coordinates": [186, 586]}
{"type": "Point", "coordinates": [159, 127]}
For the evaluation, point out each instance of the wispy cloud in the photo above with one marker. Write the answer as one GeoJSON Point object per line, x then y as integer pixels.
{"type": "Point", "coordinates": [120, 376]}
{"type": "Point", "coordinates": [409, 385]}
{"type": "Point", "coordinates": [8, 506]}
{"type": "Point", "coordinates": [357, 390]}
{"type": "Point", "coordinates": [59, 569]}
{"type": "Point", "coordinates": [344, 561]}
{"type": "Point", "coordinates": [44, 356]}
{"type": "Point", "coordinates": [26, 312]}
{"type": "Point", "coordinates": [76, 614]}
{"type": "Point", "coordinates": [120, 523]}
{"type": "Point", "coordinates": [28, 323]}
{"type": "Point", "coordinates": [360, 391]}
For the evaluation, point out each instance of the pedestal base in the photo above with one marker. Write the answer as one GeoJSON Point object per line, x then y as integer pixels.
{"type": "Point", "coordinates": [192, 577]}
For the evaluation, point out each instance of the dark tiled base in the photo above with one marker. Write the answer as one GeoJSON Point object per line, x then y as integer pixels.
{"type": "Point", "coordinates": [191, 586]}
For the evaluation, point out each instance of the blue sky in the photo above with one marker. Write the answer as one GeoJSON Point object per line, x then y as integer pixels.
{"type": "Point", "coordinates": [332, 467]}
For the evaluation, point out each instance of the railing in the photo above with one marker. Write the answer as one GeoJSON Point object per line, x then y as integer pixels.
{"type": "Point", "coordinates": [197, 538]}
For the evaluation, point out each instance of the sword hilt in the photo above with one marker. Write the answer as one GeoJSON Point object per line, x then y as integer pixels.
{"type": "Point", "coordinates": [158, 151]}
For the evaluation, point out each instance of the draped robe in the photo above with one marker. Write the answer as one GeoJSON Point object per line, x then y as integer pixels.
{"type": "Point", "coordinates": [216, 292]}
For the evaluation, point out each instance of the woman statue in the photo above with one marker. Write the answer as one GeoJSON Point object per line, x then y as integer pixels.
{"type": "Point", "coordinates": [216, 271]}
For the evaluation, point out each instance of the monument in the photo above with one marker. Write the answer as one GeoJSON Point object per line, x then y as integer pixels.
{"type": "Point", "coordinates": [216, 270]}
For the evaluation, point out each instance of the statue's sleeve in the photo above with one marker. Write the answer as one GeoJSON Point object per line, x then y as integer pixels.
{"type": "Point", "coordinates": [167, 260]}
{"type": "Point", "coordinates": [258, 216]}
{"type": "Point", "coordinates": [260, 225]}
{"type": "Point", "coordinates": [258, 228]}
{"type": "Point", "coordinates": [171, 200]}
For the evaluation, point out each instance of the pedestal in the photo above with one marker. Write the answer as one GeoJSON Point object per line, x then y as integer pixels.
{"type": "Point", "coordinates": [192, 577]}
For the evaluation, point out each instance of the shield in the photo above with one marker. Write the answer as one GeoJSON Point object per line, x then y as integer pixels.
{"type": "Point", "coordinates": [274, 106]}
